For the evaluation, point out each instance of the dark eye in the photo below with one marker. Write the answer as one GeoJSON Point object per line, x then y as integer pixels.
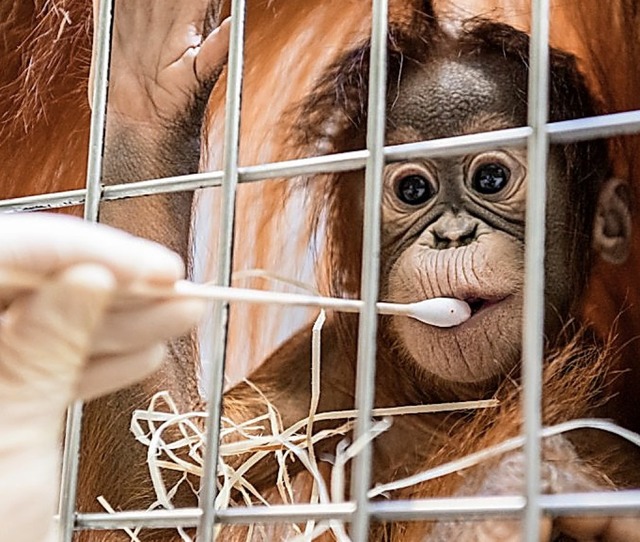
{"type": "Point", "coordinates": [490, 178]}
{"type": "Point", "coordinates": [414, 189]}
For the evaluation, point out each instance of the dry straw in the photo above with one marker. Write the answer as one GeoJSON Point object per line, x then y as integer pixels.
{"type": "Point", "coordinates": [264, 435]}
{"type": "Point", "coordinates": [256, 439]}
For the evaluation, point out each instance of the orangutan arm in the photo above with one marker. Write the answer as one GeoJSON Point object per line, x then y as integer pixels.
{"type": "Point", "coordinates": [153, 130]}
{"type": "Point", "coordinates": [163, 65]}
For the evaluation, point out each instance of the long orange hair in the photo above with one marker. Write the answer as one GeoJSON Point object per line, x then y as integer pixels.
{"type": "Point", "coordinates": [45, 53]}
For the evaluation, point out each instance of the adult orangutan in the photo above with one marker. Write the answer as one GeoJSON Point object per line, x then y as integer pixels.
{"type": "Point", "coordinates": [451, 227]}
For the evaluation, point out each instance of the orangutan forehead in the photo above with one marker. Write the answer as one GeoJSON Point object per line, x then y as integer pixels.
{"type": "Point", "coordinates": [453, 97]}
{"type": "Point", "coordinates": [474, 124]}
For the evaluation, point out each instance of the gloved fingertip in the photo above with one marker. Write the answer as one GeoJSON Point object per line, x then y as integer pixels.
{"type": "Point", "coordinates": [191, 310]}
{"type": "Point", "coordinates": [159, 264]}
{"type": "Point", "coordinates": [89, 275]}
{"type": "Point", "coordinates": [186, 315]}
{"type": "Point", "coordinates": [111, 373]}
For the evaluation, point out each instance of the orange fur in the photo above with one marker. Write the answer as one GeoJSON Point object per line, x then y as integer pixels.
{"type": "Point", "coordinates": [45, 125]}
{"type": "Point", "coordinates": [45, 52]}
{"type": "Point", "coordinates": [573, 382]}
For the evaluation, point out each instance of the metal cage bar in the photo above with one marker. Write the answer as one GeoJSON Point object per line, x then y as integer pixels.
{"type": "Point", "coordinates": [576, 504]}
{"type": "Point", "coordinates": [535, 226]}
{"type": "Point", "coordinates": [71, 452]}
{"type": "Point", "coordinates": [616, 124]}
{"type": "Point", "coordinates": [368, 322]}
{"type": "Point", "coordinates": [360, 510]}
{"type": "Point", "coordinates": [208, 487]}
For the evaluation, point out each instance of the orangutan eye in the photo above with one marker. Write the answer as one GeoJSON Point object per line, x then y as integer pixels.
{"type": "Point", "coordinates": [415, 189]}
{"type": "Point", "coordinates": [490, 178]}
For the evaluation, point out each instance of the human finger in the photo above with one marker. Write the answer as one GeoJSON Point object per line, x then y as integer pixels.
{"type": "Point", "coordinates": [110, 373]}
{"type": "Point", "coordinates": [45, 243]}
{"type": "Point", "coordinates": [45, 336]}
{"type": "Point", "coordinates": [134, 328]}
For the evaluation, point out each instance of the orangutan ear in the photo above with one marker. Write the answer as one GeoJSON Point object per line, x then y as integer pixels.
{"type": "Point", "coordinates": [612, 226]}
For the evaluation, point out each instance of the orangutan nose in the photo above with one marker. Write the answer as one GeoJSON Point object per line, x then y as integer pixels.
{"type": "Point", "coordinates": [452, 231]}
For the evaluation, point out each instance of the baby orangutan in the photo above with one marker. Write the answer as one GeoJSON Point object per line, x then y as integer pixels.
{"type": "Point", "coordinates": [454, 227]}
{"type": "Point", "coordinates": [451, 227]}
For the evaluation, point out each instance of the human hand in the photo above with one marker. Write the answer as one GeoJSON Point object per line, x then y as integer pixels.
{"type": "Point", "coordinates": [161, 57]}
{"type": "Point", "coordinates": [76, 336]}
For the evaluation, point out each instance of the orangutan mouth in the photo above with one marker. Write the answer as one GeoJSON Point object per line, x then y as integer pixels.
{"type": "Point", "coordinates": [478, 304]}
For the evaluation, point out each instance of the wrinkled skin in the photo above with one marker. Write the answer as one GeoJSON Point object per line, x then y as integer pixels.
{"type": "Point", "coordinates": [460, 242]}
{"type": "Point", "coordinates": [456, 242]}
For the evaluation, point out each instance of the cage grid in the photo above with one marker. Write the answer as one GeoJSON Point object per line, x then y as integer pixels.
{"type": "Point", "coordinates": [360, 511]}
{"type": "Point", "coordinates": [615, 124]}
{"type": "Point", "coordinates": [208, 488]}
{"type": "Point", "coordinates": [535, 230]}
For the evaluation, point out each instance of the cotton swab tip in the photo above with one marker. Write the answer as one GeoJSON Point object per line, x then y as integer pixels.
{"type": "Point", "coordinates": [440, 311]}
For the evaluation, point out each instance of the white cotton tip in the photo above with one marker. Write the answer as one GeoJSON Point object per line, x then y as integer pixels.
{"type": "Point", "coordinates": [440, 311]}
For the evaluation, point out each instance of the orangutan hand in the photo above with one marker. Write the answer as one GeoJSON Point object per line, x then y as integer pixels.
{"type": "Point", "coordinates": [562, 472]}
{"type": "Point", "coordinates": [160, 57]}
{"type": "Point", "coordinates": [601, 528]}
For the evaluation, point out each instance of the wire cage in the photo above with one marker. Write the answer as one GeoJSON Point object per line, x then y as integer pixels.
{"type": "Point", "coordinates": [360, 510]}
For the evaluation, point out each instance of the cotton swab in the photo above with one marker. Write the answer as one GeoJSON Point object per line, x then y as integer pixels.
{"type": "Point", "coordinates": [439, 311]}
